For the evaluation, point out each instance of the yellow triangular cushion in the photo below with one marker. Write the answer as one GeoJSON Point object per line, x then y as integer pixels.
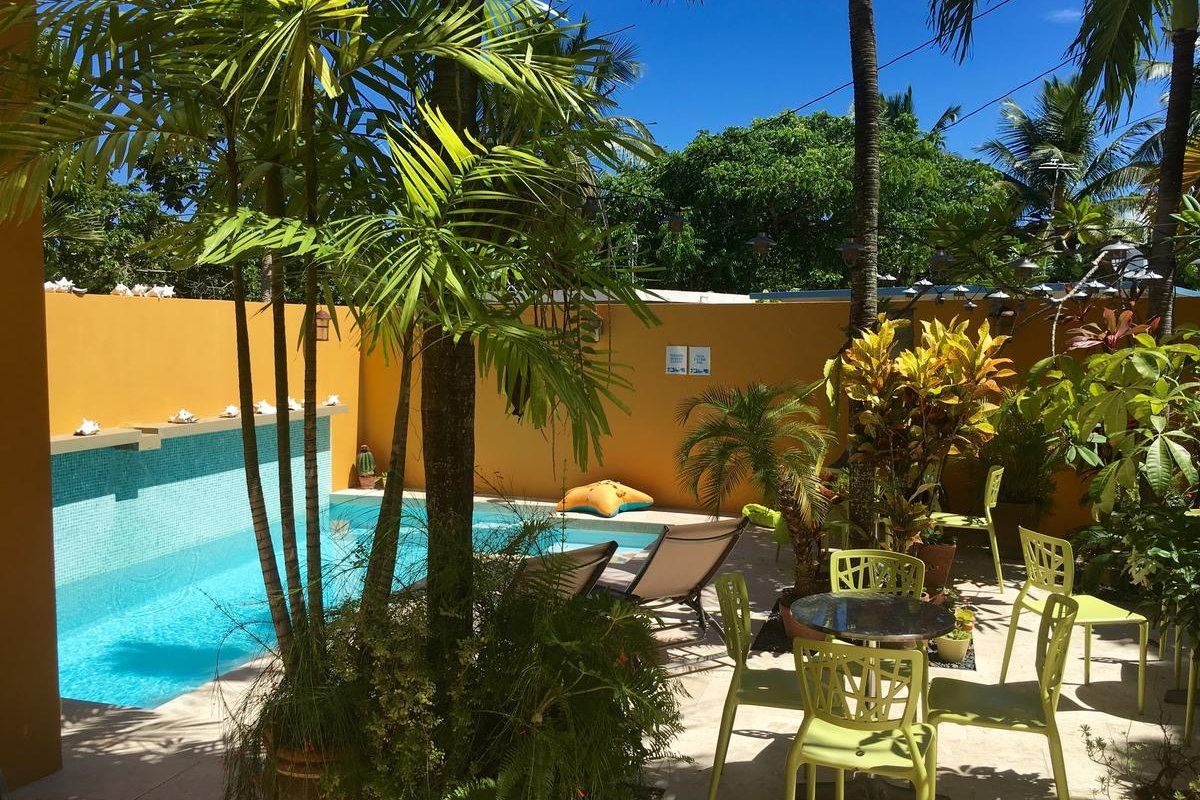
{"type": "Point", "coordinates": [606, 498]}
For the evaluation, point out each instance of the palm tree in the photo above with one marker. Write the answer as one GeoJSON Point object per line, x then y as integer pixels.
{"type": "Point", "coordinates": [893, 107]}
{"type": "Point", "coordinates": [766, 436]}
{"type": "Point", "coordinates": [864, 271]}
{"type": "Point", "coordinates": [1055, 153]}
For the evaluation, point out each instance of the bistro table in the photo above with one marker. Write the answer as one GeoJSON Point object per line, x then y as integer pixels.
{"type": "Point", "coordinates": [873, 616]}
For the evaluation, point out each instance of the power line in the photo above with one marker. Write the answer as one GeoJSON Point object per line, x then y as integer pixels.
{"type": "Point", "coordinates": [1007, 94]}
{"type": "Point", "coordinates": [885, 65]}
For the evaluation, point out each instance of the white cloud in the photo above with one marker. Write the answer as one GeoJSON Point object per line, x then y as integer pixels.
{"type": "Point", "coordinates": [1064, 15]}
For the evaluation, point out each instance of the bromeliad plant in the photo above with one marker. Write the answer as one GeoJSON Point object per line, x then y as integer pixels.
{"type": "Point", "coordinates": [766, 436]}
{"type": "Point", "coordinates": [918, 406]}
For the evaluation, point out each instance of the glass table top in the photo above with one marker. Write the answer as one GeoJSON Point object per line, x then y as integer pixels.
{"type": "Point", "coordinates": [872, 616]}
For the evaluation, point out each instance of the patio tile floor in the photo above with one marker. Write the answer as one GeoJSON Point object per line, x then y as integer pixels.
{"type": "Point", "coordinates": [174, 752]}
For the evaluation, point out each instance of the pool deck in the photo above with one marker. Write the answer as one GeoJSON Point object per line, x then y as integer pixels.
{"type": "Point", "coordinates": [173, 752]}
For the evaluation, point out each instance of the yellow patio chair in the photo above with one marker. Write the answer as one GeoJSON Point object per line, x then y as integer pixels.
{"type": "Point", "coordinates": [1050, 567]}
{"type": "Point", "coordinates": [860, 715]}
{"type": "Point", "coordinates": [991, 494]}
{"type": "Point", "coordinates": [876, 571]}
{"type": "Point", "coordinates": [1015, 708]}
{"type": "Point", "coordinates": [773, 688]}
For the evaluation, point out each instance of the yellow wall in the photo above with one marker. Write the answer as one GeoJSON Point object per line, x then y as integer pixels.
{"type": "Point", "coordinates": [772, 342]}
{"type": "Point", "coordinates": [128, 360]}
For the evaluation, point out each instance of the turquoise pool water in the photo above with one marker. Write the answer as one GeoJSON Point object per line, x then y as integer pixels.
{"type": "Point", "coordinates": [145, 633]}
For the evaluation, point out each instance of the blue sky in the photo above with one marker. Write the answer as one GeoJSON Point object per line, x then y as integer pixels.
{"type": "Point", "coordinates": [726, 62]}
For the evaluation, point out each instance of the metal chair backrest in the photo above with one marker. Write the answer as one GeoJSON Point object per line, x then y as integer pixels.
{"type": "Point", "coordinates": [1049, 562]}
{"type": "Point", "coordinates": [570, 573]}
{"type": "Point", "coordinates": [734, 600]}
{"type": "Point", "coordinates": [877, 571]}
{"type": "Point", "coordinates": [861, 688]}
{"type": "Point", "coordinates": [1053, 642]}
{"type": "Point", "coordinates": [685, 558]}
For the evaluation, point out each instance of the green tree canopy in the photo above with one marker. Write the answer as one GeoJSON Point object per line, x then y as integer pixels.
{"type": "Point", "coordinates": [790, 177]}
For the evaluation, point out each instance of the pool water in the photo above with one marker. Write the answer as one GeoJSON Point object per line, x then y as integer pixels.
{"type": "Point", "coordinates": [144, 634]}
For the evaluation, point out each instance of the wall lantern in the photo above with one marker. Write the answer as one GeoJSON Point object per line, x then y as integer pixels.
{"type": "Point", "coordinates": [1025, 270]}
{"type": "Point", "coordinates": [322, 325]}
{"type": "Point", "coordinates": [762, 243]}
{"type": "Point", "coordinates": [850, 250]}
{"type": "Point", "coordinates": [675, 221]}
{"type": "Point", "coordinates": [940, 260]}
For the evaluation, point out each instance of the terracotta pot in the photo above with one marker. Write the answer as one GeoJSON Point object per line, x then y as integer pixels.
{"type": "Point", "coordinates": [794, 629]}
{"type": "Point", "coordinates": [938, 559]}
{"type": "Point", "coordinates": [366, 481]}
{"type": "Point", "coordinates": [1007, 517]}
{"type": "Point", "coordinates": [952, 651]}
{"type": "Point", "coordinates": [298, 772]}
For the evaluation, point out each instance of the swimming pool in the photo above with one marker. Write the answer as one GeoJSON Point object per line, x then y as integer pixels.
{"type": "Point", "coordinates": [145, 633]}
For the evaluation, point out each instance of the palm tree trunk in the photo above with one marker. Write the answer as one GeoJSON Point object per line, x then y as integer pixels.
{"type": "Point", "coordinates": [273, 204]}
{"type": "Point", "coordinates": [254, 491]}
{"type": "Point", "coordinates": [381, 563]}
{"type": "Point", "coordinates": [805, 538]}
{"type": "Point", "coordinates": [312, 497]}
{"type": "Point", "coordinates": [1170, 180]}
{"type": "Point", "coordinates": [864, 301]}
{"type": "Point", "coordinates": [448, 419]}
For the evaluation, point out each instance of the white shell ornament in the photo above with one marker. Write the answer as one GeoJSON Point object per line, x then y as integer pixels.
{"type": "Point", "coordinates": [121, 290]}
{"type": "Point", "coordinates": [294, 404]}
{"type": "Point", "coordinates": [263, 407]}
{"type": "Point", "coordinates": [230, 412]}
{"type": "Point", "coordinates": [333, 400]}
{"type": "Point", "coordinates": [182, 417]}
{"type": "Point", "coordinates": [89, 427]}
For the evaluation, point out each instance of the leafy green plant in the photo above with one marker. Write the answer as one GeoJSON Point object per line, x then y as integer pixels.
{"type": "Point", "coordinates": [766, 436]}
{"type": "Point", "coordinates": [1024, 447]}
{"type": "Point", "coordinates": [917, 406]}
{"type": "Point", "coordinates": [1164, 769]}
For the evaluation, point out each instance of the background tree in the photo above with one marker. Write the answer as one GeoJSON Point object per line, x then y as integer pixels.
{"type": "Point", "coordinates": [790, 177]}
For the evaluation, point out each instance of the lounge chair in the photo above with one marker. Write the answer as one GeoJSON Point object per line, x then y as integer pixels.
{"type": "Point", "coordinates": [679, 565]}
{"type": "Point", "coordinates": [574, 572]}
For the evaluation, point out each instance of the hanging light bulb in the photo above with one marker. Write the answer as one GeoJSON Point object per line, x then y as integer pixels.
{"type": "Point", "coordinates": [675, 221]}
{"type": "Point", "coordinates": [850, 250]}
{"type": "Point", "coordinates": [888, 279]}
{"type": "Point", "coordinates": [999, 294]}
{"type": "Point", "coordinates": [1093, 286]}
{"type": "Point", "coordinates": [960, 291]}
{"type": "Point", "coordinates": [940, 260]}
{"type": "Point", "coordinates": [940, 299]}
{"type": "Point", "coordinates": [911, 292]}
{"type": "Point", "coordinates": [923, 282]}
{"type": "Point", "coordinates": [1041, 290]}
{"type": "Point", "coordinates": [761, 243]}
{"type": "Point", "coordinates": [970, 305]}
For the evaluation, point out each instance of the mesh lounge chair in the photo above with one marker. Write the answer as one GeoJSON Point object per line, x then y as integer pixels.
{"type": "Point", "coordinates": [574, 572]}
{"type": "Point", "coordinates": [680, 564]}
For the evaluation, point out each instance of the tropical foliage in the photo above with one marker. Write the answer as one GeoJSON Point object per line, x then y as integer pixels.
{"type": "Point", "coordinates": [768, 437]}
{"type": "Point", "coordinates": [918, 406]}
{"type": "Point", "coordinates": [789, 177]}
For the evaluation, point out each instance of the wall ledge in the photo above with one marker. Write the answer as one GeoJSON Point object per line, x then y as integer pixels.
{"type": "Point", "coordinates": [149, 436]}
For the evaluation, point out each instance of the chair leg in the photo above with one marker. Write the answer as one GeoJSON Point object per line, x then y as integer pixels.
{"type": "Point", "coordinates": [996, 558]}
{"type": "Point", "coordinates": [931, 765]}
{"type": "Point", "coordinates": [1059, 766]}
{"type": "Point", "coordinates": [1178, 656]}
{"type": "Point", "coordinates": [1087, 655]}
{"type": "Point", "coordinates": [1143, 642]}
{"type": "Point", "coordinates": [810, 781]}
{"type": "Point", "coordinates": [731, 705]}
{"type": "Point", "coordinates": [1189, 715]}
{"type": "Point", "coordinates": [790, 768]}
{"type": "Point", "coordinates": [1012, 636]}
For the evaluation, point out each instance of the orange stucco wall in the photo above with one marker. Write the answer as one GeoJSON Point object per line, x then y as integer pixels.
{"type": "Point", "coordinates": [128, 360]}
{"type": "Point", "coordinates": [772, 342]}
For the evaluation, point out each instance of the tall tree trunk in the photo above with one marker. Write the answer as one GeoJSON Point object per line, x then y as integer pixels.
{"type": "Point", "coordinates": [254, 491]}
{"type": "Point", "coordinates": [273, 204]}
{"type": "Point", "coordinates": [1170, 176]}
{"type": "Point", "coordinates": [312, 497]}
{"type": "Point", "coordinates": [448, 419]}
{"type": "Point", "coordinates": [864, 301]}
{"type": "Point", "coordinates": [381, 563]}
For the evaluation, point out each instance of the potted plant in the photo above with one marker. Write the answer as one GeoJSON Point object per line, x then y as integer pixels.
{"type": "Point", "coordinates": [767, 436]}
{"type": "Point", "coordinates": [937, 551]}
{"type": "Point", "coordinates": [366, 468]}
{"type": "Point", "coordinates": [916, 407]}
{"type": "Point", "coordinates": [953, 646]}
{"type": "Point", "coordinates": [1028, 452]}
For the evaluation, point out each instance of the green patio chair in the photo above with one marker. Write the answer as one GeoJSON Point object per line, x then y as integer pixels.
{"type": "Point", "coordinates": [991, 495]}
{"type": "Point", "coordinates": [773, 688]}
{"type": "Point", "coordinates": [860, 715]}
{"type": "Point", "coordinates": [1016, 708]}
{"type": "Point", "coordinates": [876, 571]}
{"type": "Point", "coordinates": [1050, 568]}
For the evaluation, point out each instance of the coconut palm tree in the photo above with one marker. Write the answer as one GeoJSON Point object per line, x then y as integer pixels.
{"type": "Point", "coordinates": [893, 107]}
{"type": "Point", "coordinates": [1056, 153]}
{"type": "Point", "coordinates": [766, 436]}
